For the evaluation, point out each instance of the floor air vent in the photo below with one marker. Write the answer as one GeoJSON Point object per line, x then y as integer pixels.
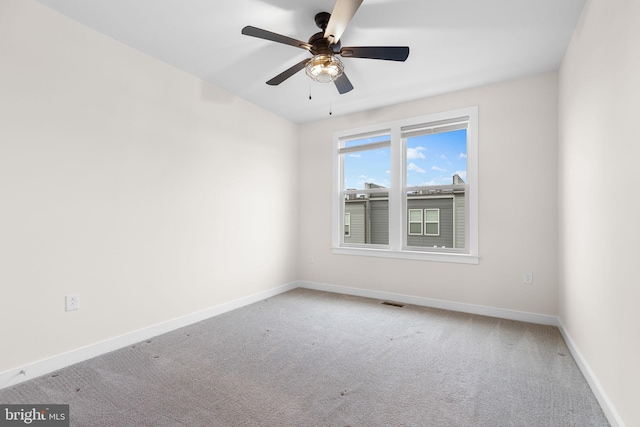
{"type": "Point", "coordinates": [393, 304]}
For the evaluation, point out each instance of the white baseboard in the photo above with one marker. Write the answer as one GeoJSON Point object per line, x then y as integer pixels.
{"type": "Point", "coordinates": [502, 313]}
{"type": "Point", "coordinates": [46, 366]}
{"type": "Point", "coordinates": [606, 405]}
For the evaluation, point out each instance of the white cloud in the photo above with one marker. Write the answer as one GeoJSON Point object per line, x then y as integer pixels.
{"type": "Point", "coordinates": [436, 168]}
{"type": "Point", "coordinates": [415, 153]}
{"type": "Point", "coordinates": [415, 168]}
{"type": "Point", "coordinates": [462, 156]}
{"type": "Point", "coordinates": [355, 155]}
{"type": "Point", "coordinates": [442, 156]}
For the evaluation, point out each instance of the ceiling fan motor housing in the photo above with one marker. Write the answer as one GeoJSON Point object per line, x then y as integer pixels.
{"type": "Point", "coordinates": [320, 45]}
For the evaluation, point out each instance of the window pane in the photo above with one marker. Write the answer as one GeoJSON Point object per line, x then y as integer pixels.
{"type": "Point", "coordinates": [435, 159]}
{"type": "Point", "coordinates": [415, 215]}
{"type": "Point", "coordinates": [432, 215]}
{"type": "Point", "coordinates": [438, 159]}
{"type": "Point", "coordinates": [431, 228]}
{"type": "Point", "coordinates": [415, 228]}
{"type": "Point", "coordinates": [367, 169]}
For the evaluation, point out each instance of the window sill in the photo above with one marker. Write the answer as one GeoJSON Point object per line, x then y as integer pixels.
{"type": "Point", "coordinates": [412, 255]}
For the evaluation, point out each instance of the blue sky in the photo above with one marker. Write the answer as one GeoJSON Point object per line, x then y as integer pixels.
{"type": "Point", "coordinates": [431, 160]}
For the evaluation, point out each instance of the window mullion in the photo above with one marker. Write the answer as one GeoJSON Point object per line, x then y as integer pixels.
{"type": "Point", "coordinates": [397, 220]}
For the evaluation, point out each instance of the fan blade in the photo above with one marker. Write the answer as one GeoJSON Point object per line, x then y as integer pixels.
{"type": "Point", "coordinates": [342, 13]}
{"type": "Point", "coordinates": [288, 73]}
{"type": "Point", "coordinates": [268, 35]}
{"type": "Point", "coordinates": [343, 84]}
{"type": "Point", "coordinates": [388, 53]}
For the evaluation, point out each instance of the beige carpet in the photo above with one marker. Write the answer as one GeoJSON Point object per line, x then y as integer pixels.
{"type": "Point", "coordinates": [309, 358]}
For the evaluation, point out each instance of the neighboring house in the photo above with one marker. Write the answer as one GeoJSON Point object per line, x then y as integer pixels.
{"type": "Point", "coordinates": [435, 217]}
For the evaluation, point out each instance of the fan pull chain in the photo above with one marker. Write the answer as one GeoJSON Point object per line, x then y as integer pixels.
{"type": "Point", "coordinates": [329, 86]}
{"type": "Point", "coordinates": [309, 90]}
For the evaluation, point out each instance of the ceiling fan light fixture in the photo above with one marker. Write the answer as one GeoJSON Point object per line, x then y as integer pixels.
{"type": "Point", "coordinates": [324, 68]}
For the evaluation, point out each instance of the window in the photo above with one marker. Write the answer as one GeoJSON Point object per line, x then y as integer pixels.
{"type": "Point", "coordinates": [408, 189]}
{"type": "Point", "coordinates": [347, 224]}
{"type": "Point", "coordinates": [415, 222]}
{"type": "Point", "coordinates": [432, 222]}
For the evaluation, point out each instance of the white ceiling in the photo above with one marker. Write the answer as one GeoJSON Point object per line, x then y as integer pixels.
{"type": "Point", "coordinates": [454, 44]}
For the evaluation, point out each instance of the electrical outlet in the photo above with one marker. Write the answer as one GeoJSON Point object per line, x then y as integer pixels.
{"type": "Point", "coordinates": [72, 302]}
{"type": "Point", "coordinates": [527, 278]}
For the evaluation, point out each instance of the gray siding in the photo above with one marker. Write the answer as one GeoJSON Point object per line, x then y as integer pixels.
{"type": "Point", "coordinates": [379, 222]}
{"type": "Point", "coordinates": [356, 209]}
{"type": "Point", "coordinates": [446, 222]}
{"type": "Point", "coordinates": [460, 224]}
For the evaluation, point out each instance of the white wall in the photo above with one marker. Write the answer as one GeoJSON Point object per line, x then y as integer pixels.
{"type": "Point", "coordinates": [517, 208]}
{"type": "Point", "coordinates": [151, 194]}
{"type": "Point", "coordinates": [599, 210]}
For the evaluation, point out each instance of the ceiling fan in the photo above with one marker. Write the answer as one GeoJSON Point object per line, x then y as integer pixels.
{"type": "Point", "coordinates": [325, 66]}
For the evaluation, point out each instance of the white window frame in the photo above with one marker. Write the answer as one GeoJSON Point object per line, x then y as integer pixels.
{"type": "Point", "coordinates": [431, 222]}
{"type": "Point", "coordinates": [409, 222]}
{"type": "Point", "coordinates": [398, 217]}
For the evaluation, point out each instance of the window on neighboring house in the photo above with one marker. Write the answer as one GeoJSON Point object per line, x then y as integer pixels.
{"type": "Point", "coordinates": [415, 222]}
{"type": "Point", "coordinates": [347, 224]}
{"type": "Point", "coordinates": [419, 175]}
{"type": "Point", "coordinates": [432, 222]}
